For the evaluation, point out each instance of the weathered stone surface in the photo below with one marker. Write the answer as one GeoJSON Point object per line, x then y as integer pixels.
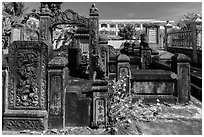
{"type": "Point", "coordinates": [123, 58]}
{"type": "Point", "coordinates": [57, 81]}
{"type": "Point", "coordinates": [180, 58]}
{"type": "Point", "coordinates": [77, 109]}
{"type": "Point", "coordinates": [25, 120]}
{"type": "Point", "coordinates": [20, 124]}
{"type": "Point", "coordinates": [27, 88]}
{"type": "Point", "coordinates": [83, 85]}
{"type": "Point", "coordinates": [152, 75]}
{"type": "Point", "coordinates": [58, 62]}
{"type": "Point", "coordinates": [165, 88]}
{"type": "Point", "coordinates": [181, 66]}
{"type": "Point", "coordinates": [154, 98]}
{"type": "Point", "coordinates": [100, 96]}
{"type": "Point", "coordinates": [27, 75]}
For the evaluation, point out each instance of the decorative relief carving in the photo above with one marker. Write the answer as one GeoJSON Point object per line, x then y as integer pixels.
{"type": "Point", "coordinates": [93, 37]}
{"type": "Point", "coordinates": [27, 75]}
{"type": "Point", "coordinates": [43, 29]}
{"type": "Point", "coordinates": [69, 16]}
{"type": "Point", "coordinates": [27, 86]}
{"type": "Point", "coordinates": [93, 10]}
{"type": "Point", "coordinates": [19, 124]}
{"type": "Point", "coordinates": [104, 60]}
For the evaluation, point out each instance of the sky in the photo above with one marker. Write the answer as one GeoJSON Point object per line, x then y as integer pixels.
{"type": "Point", "coordinates": [132, 10]}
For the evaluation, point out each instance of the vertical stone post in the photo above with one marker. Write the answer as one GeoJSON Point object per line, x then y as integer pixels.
{"type": "Point", "coordinates": [57, 78]}
{"type": "Point", "coordinates": [181, 66]}
{"type": "Point", "coordinates": [123, 69]}
{"type": "Point", "coordinates": [167, 26]}
{"type": "Point", "coordinates": [16, 32]}
{"type": "Point", "coordinates": [165, 39]}
{"type": "Point", "coordinates": [100, 106]}
{"type": "Point", "coordinates": [93, 38]}
{"type": "Point", "coordinates": [44, 25]}
{"type": "Point", "coordinates": [104, 51]}
{"type": "Point", "coordinates": [4, 82]}
{"type": "Point", "coordinates": [194, 42]}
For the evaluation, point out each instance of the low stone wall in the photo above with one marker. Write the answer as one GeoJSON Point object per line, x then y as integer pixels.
{"type": "Point", "coordinates": [151, 85]}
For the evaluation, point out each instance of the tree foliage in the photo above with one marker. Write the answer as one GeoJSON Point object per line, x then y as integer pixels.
{"type": "Point", "coordinates": [127, 32]}
{"type": "Point", "coordinates": [123, 113]}
{"type": "Point", "coordinates": [14, 8]}
{"type": "Point", "coordinates": [190, 17]}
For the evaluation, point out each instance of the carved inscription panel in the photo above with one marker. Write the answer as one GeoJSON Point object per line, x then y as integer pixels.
{"type": "Point", "coordinates": [100, 111]}
{"type": "Point", "coordinates": [56, 97]}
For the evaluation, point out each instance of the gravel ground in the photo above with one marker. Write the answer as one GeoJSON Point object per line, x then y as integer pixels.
{"type": "Point", "coordinates": [171, 120]}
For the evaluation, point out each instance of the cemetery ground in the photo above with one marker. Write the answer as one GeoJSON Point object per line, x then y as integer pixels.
{"type": "Point", "coordinates": [152, 119]}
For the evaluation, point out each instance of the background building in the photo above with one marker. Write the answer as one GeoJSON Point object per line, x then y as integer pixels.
{"type": "Point", "coordinates": [153, 28]}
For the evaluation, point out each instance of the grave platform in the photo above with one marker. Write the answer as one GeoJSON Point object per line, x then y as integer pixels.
{"type": "Point", "coordinates": [171, 120]}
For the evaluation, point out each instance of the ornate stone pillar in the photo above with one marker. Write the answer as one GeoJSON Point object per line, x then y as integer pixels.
{"type": "Point", "coordinates": [194, 42]}
{"type": "Point", "coordinates": [57, 80]}
{"type": "Point", "coordinates": [123, 70]}
{"type": "Point", "coordinates": [45, 32]}
{"type": "Point", "coordinates": [100, 103]}
{"type": "Point", "coordinates": [181, 66]}
{"type": "Point", "coordinates": [104, 51]}
{"type": "Point", "coordinates": [93, 38]}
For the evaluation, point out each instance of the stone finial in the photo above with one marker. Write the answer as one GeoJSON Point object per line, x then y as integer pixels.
{"type": "Point", "coordinates": [46, 10]}
{"type": "Point", "coordinates": [58, 62]}
{"type": "Point", "coordinates": [180, 58]}
{"type": "Point", "coordinates": [123, 58]}
{"type": "Point", "coordinates": [93, 10]}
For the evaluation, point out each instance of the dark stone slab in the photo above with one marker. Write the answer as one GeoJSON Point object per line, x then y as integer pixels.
{"type": "Point", "coordinates": [77, 109]}
{"type": "Point", "coordinates": [83, 85]}
{"type": "Point", "coordinates": [71, 112]}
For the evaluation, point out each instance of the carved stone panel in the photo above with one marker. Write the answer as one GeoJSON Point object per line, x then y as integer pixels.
{"type": "Point", "coordinates": [100, 115]}
{"type": "Point", "coordinates": [71, 113]}
{"type": "Point", "coordinates": [184, 82]}
{"type": "Point", "coordinates": [104, 60]}
{"type": "Point", "coordinates": [22, 124]}
{"type": "Point", "coordinates": [55, 95]}
{"type": "Point", "coordinates": [69, 17]}
{"type": "Point", "coordinates": [27, 75]}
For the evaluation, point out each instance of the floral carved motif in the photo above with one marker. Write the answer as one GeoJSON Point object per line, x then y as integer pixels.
{"type": "Point", "coordinates": [27, 75]}
{"type": "Point", "coordinates": [69, 16]}
{"type": "Point", "coordinates": [19, 124]}
{"type": "Point", "coordinates": [27, 86]}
